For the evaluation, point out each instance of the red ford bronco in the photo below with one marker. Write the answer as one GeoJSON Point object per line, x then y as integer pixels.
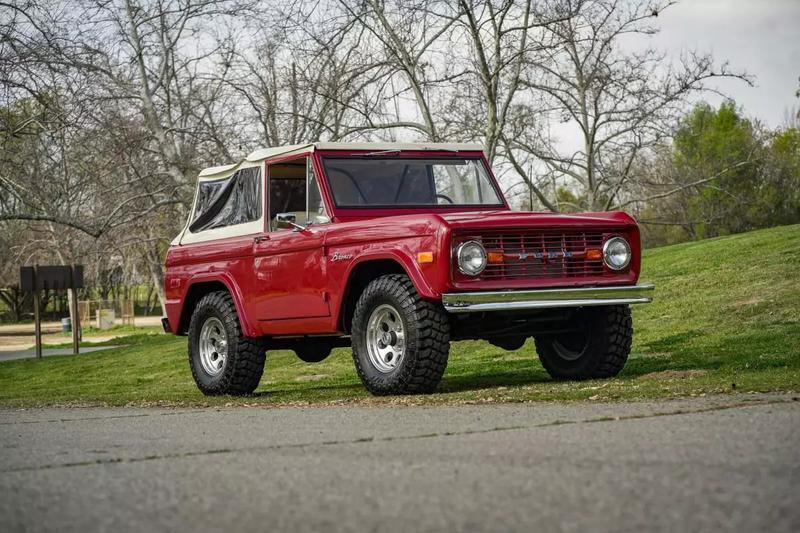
{"type": "Point", "coordinates": [396, 250]}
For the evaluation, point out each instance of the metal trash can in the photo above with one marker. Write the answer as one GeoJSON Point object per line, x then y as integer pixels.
{"type": "Point", "coordinates": [66, 325]}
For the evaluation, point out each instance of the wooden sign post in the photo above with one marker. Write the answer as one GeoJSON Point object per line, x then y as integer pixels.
{"type": "Point", "coordinates": [37, 315]}
{"type": "Point", "coordinates": [76, 320]}
{"type": "Point", "coordinates": [38, 278]}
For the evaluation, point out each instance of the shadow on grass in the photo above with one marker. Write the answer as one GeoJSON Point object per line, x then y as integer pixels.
{"type": "Point", "coordinates": [534, 374]}
{"type": "Point", "coordinates": [747, 351]}
{"type": "Point", "coordinates": [673, 343]}
{"type": "Point", "coordinates": [314, 392]}
{"type": "Point", "coordinates": [496, 370]}
{"type": "Point", "coordinates": [481, 381]}
{"type": "Point", "coordinates": [490, 369]}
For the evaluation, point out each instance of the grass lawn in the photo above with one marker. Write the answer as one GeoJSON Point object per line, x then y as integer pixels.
{"type": "Point", "coordinates": [726, 317]}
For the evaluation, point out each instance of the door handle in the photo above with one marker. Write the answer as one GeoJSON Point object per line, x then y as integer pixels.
{"type": "Point", "coordinates": [260, 238]}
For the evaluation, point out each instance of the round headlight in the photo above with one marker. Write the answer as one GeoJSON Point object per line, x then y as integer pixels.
{"type": "Point", "coordinates": [471, 258]}
{"type": "Point", "coordinates": [616, 253]}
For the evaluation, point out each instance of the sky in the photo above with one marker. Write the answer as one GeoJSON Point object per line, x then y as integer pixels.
{"type": "Point", "coordinates": [761, 37]}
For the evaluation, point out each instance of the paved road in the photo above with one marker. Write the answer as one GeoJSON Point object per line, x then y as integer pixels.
{"type": "Point", "coordinates": [729, 463]}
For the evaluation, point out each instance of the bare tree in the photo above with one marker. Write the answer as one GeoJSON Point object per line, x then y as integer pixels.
{"type": "Point", "coordinates": [113, 113]}
{"type": "Point", "coordinates": [617, 101]}
{"type": "Point", "coordinates": [500, 37]}
{"type": "Point", "coordinates": [302, 81]}
{"type": "Point", "coordinates": [408, 34]}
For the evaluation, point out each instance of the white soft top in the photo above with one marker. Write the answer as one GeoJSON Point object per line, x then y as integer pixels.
{"type": "Point", "coordinates": [261, 154]}
{"type": "Point", "coordinates": [256, 158]}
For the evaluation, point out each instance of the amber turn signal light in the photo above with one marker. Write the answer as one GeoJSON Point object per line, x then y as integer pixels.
{"type": "Point", "coordinates": [425, 257]}
{"type": "Point", "coordinates": [495, 257]}
{"type": "Point", "coordinates": [594, 254]}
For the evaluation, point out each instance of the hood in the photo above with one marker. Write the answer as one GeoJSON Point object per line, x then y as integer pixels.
{"type": "Point", "coordinates": [527, 219]}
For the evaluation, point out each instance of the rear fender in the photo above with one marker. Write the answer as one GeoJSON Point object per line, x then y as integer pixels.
{"type": "Point", "coordinates": [233, 289]}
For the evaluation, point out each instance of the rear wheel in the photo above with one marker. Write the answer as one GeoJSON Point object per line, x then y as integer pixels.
{"type": "Point", "coordinates": [597, 348]}
{"type": "Point", "coordinates": [222, 359]}
{"type": "Point", "coordinates": [400, 341]}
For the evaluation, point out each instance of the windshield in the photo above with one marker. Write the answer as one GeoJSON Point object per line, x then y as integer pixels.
{"type": "Point", "coordinates": [392, 181]}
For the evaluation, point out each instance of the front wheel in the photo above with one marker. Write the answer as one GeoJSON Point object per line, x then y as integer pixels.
{"type": "Point", "coordinates": [400, 341]}
{"type": "Point", "coordinates": [222, 359]}
{"type": "Point", "coordinates": [597, 345]}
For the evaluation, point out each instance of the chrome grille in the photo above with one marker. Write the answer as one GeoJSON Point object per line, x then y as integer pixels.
{"type": "Point", "coordinates": [540, 254]}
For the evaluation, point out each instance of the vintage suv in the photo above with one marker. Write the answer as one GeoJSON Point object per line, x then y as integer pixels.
{"type": "Point", "coordinates": [396, 250]}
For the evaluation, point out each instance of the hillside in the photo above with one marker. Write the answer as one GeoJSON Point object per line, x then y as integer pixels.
{"type": "Point", "coordinates": [726, 317]}
{"type": "Point", "coordinates": [729, 303]}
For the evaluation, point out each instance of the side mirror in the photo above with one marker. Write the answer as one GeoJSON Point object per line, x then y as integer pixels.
{"type": "Point", "coordinates": [321, 219]}
{"type": "Point", "coordinates": [286, 221]}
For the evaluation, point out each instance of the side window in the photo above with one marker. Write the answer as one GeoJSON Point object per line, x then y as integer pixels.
{"type": "Point", "coordinates": [464, 182]}
{"type": "Point", "coordinates": [316, 213]}
{"type": "Point", "coordinates": [228, 201]}
{"type": "Point", "coordinates": [287, 190]}
{"type": "Point", "coordinates": [294, 189]}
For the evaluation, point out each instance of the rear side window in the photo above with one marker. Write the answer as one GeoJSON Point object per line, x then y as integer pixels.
{"type": "Point", "coordinates": [228, 201]}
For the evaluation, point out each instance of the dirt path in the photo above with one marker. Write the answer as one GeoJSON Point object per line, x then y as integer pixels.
{"type": "Point", "coordinates": [15, 337]}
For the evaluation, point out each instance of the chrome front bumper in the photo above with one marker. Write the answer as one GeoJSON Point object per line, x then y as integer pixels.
{"type": "Point", "coordinates": [473, 302]}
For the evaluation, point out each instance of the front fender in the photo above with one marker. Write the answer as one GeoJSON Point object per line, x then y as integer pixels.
{"type": "Point", "coordinates": [414, 270]}
{"type": "Point", "coordinates": [390, 255]}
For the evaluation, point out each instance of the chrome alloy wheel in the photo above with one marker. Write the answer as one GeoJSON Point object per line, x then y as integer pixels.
{"type": "Point", "coordinates": [213, 346]}
{"type": "Point", "coordinates": [386, 342]}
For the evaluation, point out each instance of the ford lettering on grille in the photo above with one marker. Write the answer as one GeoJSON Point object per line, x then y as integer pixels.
{"type": "Point", "coordinates": [545, 255]}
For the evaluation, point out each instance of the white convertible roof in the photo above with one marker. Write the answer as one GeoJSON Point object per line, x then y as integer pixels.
{"type": "Point", "coordinates": [267, 153]}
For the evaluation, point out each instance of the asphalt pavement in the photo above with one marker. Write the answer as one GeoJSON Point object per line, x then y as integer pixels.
{"type": "Point", "coordinates": [722, 463]}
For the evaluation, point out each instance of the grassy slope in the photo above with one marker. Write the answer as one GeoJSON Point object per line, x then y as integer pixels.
{"type": "Point", "coordinates": [727, 315]}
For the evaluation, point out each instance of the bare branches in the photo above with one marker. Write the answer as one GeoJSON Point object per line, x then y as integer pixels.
{"type": "Point", "coordinates": [682, 186]}
{"type": "Point", "coordinates": [621, 103]}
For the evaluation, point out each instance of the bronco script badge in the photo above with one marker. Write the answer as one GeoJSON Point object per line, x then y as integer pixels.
{"type": "Point", "coordinates": [339, 256]}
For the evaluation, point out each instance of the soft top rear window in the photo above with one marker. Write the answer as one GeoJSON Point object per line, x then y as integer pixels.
{"type": "Point", "coordinates": [228, 201]}
{"type": "Point", "coordinates": [409, 182]}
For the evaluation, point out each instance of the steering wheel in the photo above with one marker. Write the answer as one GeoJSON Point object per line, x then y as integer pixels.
{"type": "Point", "coordinates": [445, 197]}
{"type": "Point", "coordinates": [353, 181]}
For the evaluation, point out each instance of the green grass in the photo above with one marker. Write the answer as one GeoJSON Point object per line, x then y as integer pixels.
{"type": "Point", "coordinates": [726, 317]}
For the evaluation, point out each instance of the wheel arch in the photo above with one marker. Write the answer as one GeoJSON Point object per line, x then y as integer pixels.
{"type": "Point", "coordinates": [362, 273]}
{"type": "Point", "coordinates": [198, 288]}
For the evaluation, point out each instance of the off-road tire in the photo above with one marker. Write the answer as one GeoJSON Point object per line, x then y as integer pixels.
{"type": "Point", "coordinates": [427, 345]}
{"type": "Point", "coordinates": [244, 364]}
{"type": "Point", "coordinates": [608, 331]}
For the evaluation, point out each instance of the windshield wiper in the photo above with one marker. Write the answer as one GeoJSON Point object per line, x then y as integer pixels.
{"type": "Point", "coordinates": [382, 152]}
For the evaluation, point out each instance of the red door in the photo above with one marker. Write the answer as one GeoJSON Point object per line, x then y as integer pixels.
{"type": "Point", "coordinates": [289, 275]}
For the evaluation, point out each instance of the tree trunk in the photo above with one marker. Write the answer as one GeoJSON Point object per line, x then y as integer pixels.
{"type": "Point", "coordinates": [156, 268]}
{"type": "Point", "coordinates": [16, 300]}
{"type": "Point", "coordinates": [148, 307]}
